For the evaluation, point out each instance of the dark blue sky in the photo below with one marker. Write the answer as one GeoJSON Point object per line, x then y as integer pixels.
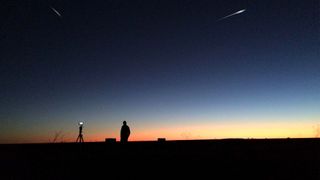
{"type": "Point", "coordinates": [156, 62]}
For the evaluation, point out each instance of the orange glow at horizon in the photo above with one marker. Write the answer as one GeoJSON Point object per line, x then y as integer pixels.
{"type": "Point", "coordinates": [186, 131]}
{"type": "Point", "coordinates": [216, 131]}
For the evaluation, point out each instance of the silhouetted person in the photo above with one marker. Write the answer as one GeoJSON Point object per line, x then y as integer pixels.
{"type": "Point", "coordinates": [125, 132]}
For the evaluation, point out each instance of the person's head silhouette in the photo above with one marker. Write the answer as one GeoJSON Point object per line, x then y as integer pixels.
{"type": "Point", "coordinates": [124, 122]}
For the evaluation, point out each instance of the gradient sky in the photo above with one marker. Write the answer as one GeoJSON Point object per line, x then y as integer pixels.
{"type": "Point", "coordinates": [167, 67]}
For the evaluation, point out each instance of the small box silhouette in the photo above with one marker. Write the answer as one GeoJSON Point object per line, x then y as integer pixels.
{"type": "Point", "coordinates": [161, 139]}
{"type": "Point", "coordinates": [110, 140]}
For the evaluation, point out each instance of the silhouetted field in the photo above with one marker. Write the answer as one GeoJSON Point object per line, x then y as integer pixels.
{"type": "Point", "coordinates": [198, 159]}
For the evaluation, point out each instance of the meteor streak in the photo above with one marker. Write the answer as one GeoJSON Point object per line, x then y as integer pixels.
{"type": "Point", "coordinates": [55, 11]}
{"type": "Point", "coordinates": [238, 12]}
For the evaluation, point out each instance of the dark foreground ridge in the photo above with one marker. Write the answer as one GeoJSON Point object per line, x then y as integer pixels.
{"type": "Point", "coordinates": [198, 159]}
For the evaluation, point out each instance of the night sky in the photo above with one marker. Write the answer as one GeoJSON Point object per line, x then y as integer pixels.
{"type": "Point", "coordinates": [170, 68]}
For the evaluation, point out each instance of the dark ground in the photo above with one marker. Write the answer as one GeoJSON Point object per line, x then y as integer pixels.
{"type": "Point", "coordinates": [199, 159]}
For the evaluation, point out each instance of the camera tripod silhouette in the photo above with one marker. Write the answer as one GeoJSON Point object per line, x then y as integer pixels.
{"type": "Point", "coordinates": [80, 136]}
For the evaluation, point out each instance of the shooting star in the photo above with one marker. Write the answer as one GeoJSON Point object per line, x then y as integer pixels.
{"type": "Point", "coordinates": [238, 12]}
{"type": "Point", "coordinates": [56, 12]}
